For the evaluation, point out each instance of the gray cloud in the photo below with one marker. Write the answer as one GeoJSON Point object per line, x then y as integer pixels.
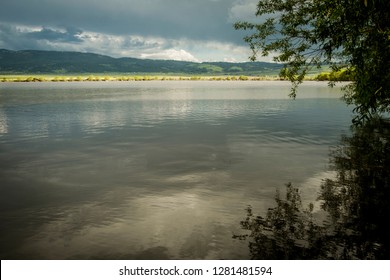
{"type": "Point", "coordinates": [69, 35]}
{"type": "Point", "coordinates": [135, 23]}
{"type": "Point", "coordinates": [198, 19]}
{"type": "Point", "coordinates": [13, 37]}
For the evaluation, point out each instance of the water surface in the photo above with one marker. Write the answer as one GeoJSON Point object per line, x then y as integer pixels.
{"type": "Point", "coordinates": [154, 170]}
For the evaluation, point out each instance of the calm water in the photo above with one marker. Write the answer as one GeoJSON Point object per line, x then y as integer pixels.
{"type": "Point", "coordinates": [154, 170]}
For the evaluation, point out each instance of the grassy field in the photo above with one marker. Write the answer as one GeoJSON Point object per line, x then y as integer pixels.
{"type": "Point", "coordinates": [127, 78]}
{"type": "Point", "coordinates": [103, 78]}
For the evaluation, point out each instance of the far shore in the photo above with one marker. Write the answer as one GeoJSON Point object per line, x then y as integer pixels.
{"type": "Point", "coordinates": [127, 78]}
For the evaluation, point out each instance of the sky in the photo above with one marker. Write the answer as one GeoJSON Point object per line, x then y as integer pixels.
{"type": "Point", "coordinates": [190, 30]}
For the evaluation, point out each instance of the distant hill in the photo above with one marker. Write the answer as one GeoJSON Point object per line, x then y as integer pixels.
{"type": "Point", "coordinates": [56, 62]}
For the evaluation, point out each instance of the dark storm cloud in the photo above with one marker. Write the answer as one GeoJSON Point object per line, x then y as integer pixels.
{"type": "Point", "coordinates": [200, 19]}
{"type": "Point", "coordinates": [69, 35]}
{"type": "Point", "coordinates": [16, 38]}
{"type": "Point", "coordinates": [194, 29]}
{"type": "Point", "coordinates": [12, 38]}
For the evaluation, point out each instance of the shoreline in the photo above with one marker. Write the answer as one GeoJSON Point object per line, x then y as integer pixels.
{"type": "Point", "coordinates": [135, 78]}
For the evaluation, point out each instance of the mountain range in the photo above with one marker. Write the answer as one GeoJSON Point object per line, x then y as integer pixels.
{"type": "Point", "coordinates": [62, 62]}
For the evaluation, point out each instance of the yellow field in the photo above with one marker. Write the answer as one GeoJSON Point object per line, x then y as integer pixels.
{"type": "Point", "coordinates": [103, 78]}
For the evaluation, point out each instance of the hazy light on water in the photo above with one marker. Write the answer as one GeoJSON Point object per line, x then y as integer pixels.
{"type": "Point", "coordinates": [153, 169]}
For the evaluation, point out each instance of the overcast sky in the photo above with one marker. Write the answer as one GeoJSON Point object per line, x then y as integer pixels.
{"type": "Point", "coordinates": [194, 30]}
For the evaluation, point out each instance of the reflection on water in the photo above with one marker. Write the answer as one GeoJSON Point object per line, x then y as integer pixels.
{"type": "Point", "coordinates": [155, 169]}
{"type": "Point", "coordinates": [356, 204]}
{"type": "Point", "coordinates": [3, 122]}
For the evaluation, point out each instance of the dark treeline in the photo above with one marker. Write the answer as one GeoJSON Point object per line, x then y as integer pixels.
{"type": "Point", "coordinates": [54, 62]}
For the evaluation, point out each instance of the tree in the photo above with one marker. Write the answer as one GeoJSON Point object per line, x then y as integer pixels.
{"type": "Point", "coordinates": [353, 35]}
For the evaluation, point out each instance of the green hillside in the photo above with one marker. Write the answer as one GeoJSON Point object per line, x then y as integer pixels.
{"type": "Point", "coordinates": [55, 62]}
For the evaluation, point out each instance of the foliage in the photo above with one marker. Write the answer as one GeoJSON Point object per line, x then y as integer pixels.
{"type": "Point", "coordinates": [211, 68]}
{"type": "Point", "coordinates": [235, 69]}
{"type": "Point", "coordinates": [337, 76]}
{"type": "Point", "coordinates": [351, 34]}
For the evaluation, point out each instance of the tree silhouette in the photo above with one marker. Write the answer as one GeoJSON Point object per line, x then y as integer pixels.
{"type": "Point", "coordinates": [356, 202]}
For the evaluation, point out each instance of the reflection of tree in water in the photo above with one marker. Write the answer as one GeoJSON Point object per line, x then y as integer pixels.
{"type": "Point", "coordinates": [356, 201]}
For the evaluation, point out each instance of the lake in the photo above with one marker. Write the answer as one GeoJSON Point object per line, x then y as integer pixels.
{"type": "Point", "coordinates": [155, 170]}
